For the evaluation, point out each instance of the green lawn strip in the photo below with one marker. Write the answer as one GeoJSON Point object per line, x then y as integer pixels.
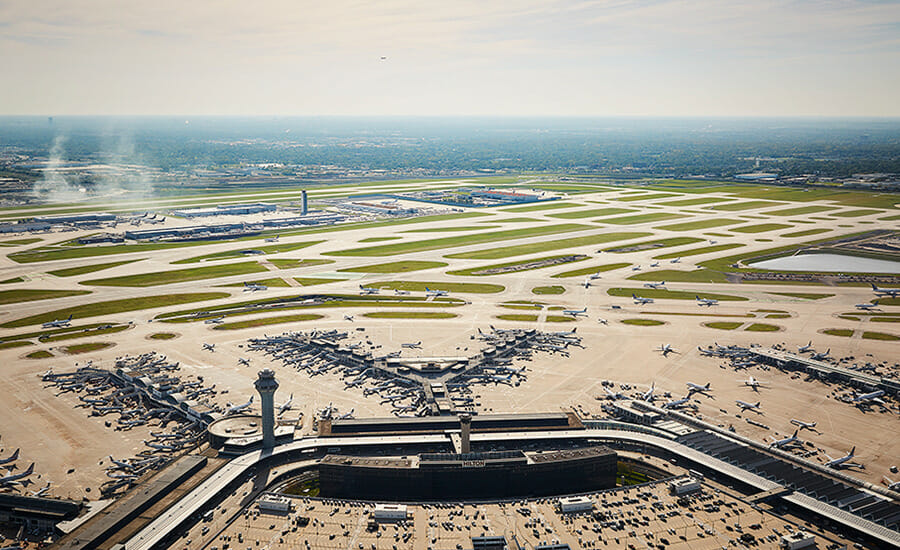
{"type": "Point", "coordinates": [643, 218]}
{"type": "Point", "coordinates": [560, 319]}
{"type": "Point", "coordinates": [889, 301]}
{"type": "Point", "coordinates": [106, 329]}
{"type": "Point", "coordinates": [395, 267]}
{"type": "Point", "coordinates": [293, 263]}
{"type": "Point", "coordinates": [762, 327]}
{"type": "Point", "coordinates": [162, 335]}
{"type": "Point", "coordinates": [545, 246]}
{"type": "Point", "coordinates": [39, 354]}
{"type": "Point", "coordinates": [51, 333]}
{"type": "Point", "coordinates": [86, 347]}
{"type": "Point", "coordinates": [34, 294]}
{"type": "Point", "coordinates": [20, 242]}
{"type": "Point", "coordinates": [744, 205]}
{"type": "Point", "coordinates": [869, 335]}
{"type": "Point", "coordinates": [806, 233]}
{"type": "Point", "coordinates": [180, 275]}
{"type": "Point", "coordinates": [526, 265]}
{"type": "Point", "coordinates": [694, 202]}
{"type": "Point", "coordinates": [379, 239]}
{"type": "Point", "coordinates": [513, 220]}
{"type": "Point", "coordinates": [459, 240]}
{"type": "Point", "coordinates": [81, 270]}
{"type": "Point", "coordinates": [854, 213]}
{"type": "Point", "coordinates": [465, 288]}
{"type": "Point", "coordinates": [698, 314]}
{"type": "Point", "coordinates": [671, 294]}
{"type": "Point", "coordinates": [592, 212]}
{"type": "Point", "coordinates": [800, 210]}
{"type": "Point", "coordinates": [760, 228]}
{"type": "Point", "coordinates": [647, 196]}
{"type": "Point", "coordinates": [243, 252]}
{"type": "Point", "coordinates": [844, 332]}
{"type": "Point", "coordinates": [15, 344]}
{"type": "Point", "coordinates": [590, 270]}
{"type": "Point", "coordinates": [889, 218]}
{"type": "Point", "coordinates": [676, 276]}
{"type": "Point", "coordinates": [699, 224]}
{"type": "Point", "coordinates": [696, 251]}
{"type": "Point", "coordinates": [522, 317]}
{"type": "Point", "coordinates": [643, 322]}
{"type": "Point", "coordinates": [275, 282]}
{"type": "Point", "coordinates": [554, 289]}
{"type": "Point", "coordinates": [312, 281]}
{"type": "Point", "coordinates": [409, 315]}
{"type": "Point", "coordinates": [541, 206]}
{"type": "Point", "coordinates": [521, 306]}
{"type": "Point", "coordinates": [723, 325]}
{"type": "Point", "coordinates": [652, 245]}
{"type": "Point", "coordinates": [804, 295]}
{"type": "Point", "coordinates": [116, 306]}
{"type": "Point", "coordinates": [884, 319]}
{"type": "Point", "coordinates": [13, 280]}
{"type": "Point", "coordinates": [264, 321]}
{"type": "Point", "coordinates": [443, 230]}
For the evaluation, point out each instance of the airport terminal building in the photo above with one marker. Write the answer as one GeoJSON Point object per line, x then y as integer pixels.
{"type": "Point", "coordinates": [490, 475]}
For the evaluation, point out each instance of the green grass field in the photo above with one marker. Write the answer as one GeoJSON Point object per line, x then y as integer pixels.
{"type": "Point", "coordinates": [450, 229]}
{"type": "Point", "coordinates": [294, 263]}
{"type": "Point", "coordinates": [643, 218]}
{"type": "Point", "coordinates": [86, 347]}
{"type": "Point", "coordinates": [844, 332]}
{"type": "Point", "coordinates": [676, 276]}
{"type": "Point", "coordinates": [546, 246]}
{"type": "Point", "coordinates": [12, 281]}
{"type": "Point", "coordinates": [643, 322]}
{"type": "Point", "coordinates": [560, 319]}
{"type": "Point", "coordinates": [521, 317]}
{"type": "Point", "coordinates": [274, 282]}
{"type": "Point", "coordinates": [242, 252]}
{"type": "Point", "coordinates": [696, 251]}
{"type": "Point", "coordinates": [81, 270]}
{"type": "Point", "coordinates": [671, 294]}
{"type": "Point", "coordinates": [806, 233]}
{"type": "Point", "coordinates": [71, 335]}
{"type": "Point", "coordinates": [395, 267]}
{"type": "Point", "coordinates": [15, 344]}
{"type": "Point", "coordinates": [39, 354]}
{"type": "Point", "coordinates": [312, 281]}
{"type": "Point", "coordinates": [590, 270]}
{"type": "Point", "coordinates": [542, 206]}
{"type": "Point", "coordinates": [459, 240]}
{"type": "Point", "coordinates": [760, 228]}
{"type": "Point", "coordinates": [464, 288]}
{"type": "Point", "coordinates": [699, 224]}
{"type": "Point", "coordinates": [694, 202]}
{"type": "Point", "coordinates": [34, 294]}
{"type": "Point", "coordinates": [115, 306]}
{"type": "Point", "coordinates": [179, 275]}
{"type": "Point", "coordinates": [514, 267]}
{"type": "Point", "coordinates": [854, 213]}
{"type": "Point", "coordinates": [379, 239]}
{"type": "Point", "coordinates": [162, 336]}
{"type": "Point", "coordinates": [20, 242]}
{"type": "Point", "coordinates": [762, 327]}
{"type": "Point", "coordinates": [803, 295]}
{"type": "Point", "coordinates": [652, 245]}
{"type": "Point", "coordinates": [409, 315]}
{"type": "Point", "coordinates": [800, 210]}
{"type": "Point", "coordinates": [723, 325]}
{"type": "Point", "coordinates": [869, 335]}
{"type": "Point", "coordinates": [592, 212]}
{"type": "Point", "coordinates": [647, 197]}
{"type": "Point", "coordinates": [744, 205]}
{"type": "Point", "coordinates": [265, 321]}
{"type": "Point", "coordinates": [553, 289]}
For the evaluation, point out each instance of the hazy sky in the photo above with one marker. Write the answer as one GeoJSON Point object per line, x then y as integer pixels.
{"type": "Point", "coordinates": [471, 57]}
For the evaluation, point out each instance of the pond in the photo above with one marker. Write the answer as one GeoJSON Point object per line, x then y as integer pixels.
{"type": "Point", "coordinates": [831, 263]}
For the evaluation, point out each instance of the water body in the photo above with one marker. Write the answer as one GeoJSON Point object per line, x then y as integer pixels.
{"type": "Point", "coordinates": [830, 263]}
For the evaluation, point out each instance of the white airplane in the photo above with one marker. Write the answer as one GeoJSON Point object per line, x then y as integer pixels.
{"type": "Point", "coordinates": [121, 464]}
{"type": "Point", "coordinates": [602, 321]}
{"type": "Point", "coordinates": [234, 409]}
{"type": "Point", "coordinates": [678, 403]}
{"type": "Point", "coordinates": [209, 347]}
{"type": "Point", "coordinates": [58, 323]}
{"type": "Point", "coordinates": [215, 320]}
{"type": "Point", "coordinates": [347, 415]}
{"type": "Point", "coordinates": [843, 461]}
{"type": "Point", "coordinates": [368, 290]}
{"type": "Point", "coordinates": [41, 492]}
{"type": "Point", "coordinates": [399, 292]}
{"type": "Point", "coordinates": [665, 349]}
{"type": "Point", "coordinates": [648, 395]}
{"type": "Point", "coordinates": [253, 287]}
{"type": "Point", "coordinates": [747, 406]}
{"type": "Point", "coordinates": [752, 382]}
{"type": "Point", "coordinates": [712, 241]}
{"type": "Point", "coordinates": [412, 345]}
{"type": "Point", "coordinates": [867, 306]}
{"type": "Point", "coordinates": [286, 406]}
{"type": "Point", "coordinates": [10, 460]}
{"type": "Point", "coordinates": [804, 349]}
{"type": "Point", "coordinates": [654, 264]}
{"type": "Point", "coordinates": [8, 481]}
{"type": "Point", "coordinates": [594, 276]}
{"type": "Point", "coordinates": [348, 317]}
{"type": "Point", "coordinates": [272, 239]}
{"type": "Point", "coordinates": [891, 485]}
{"type": "Point", "coordinates": [697, 388]}
{"type": "Point", "coordinates": [636, 268]}
{"type": "Point", "coordinates": [706, 301]}
{"type": "Point", "coordinates": [245, 362]}
{"type": "Point", "coordinates": [613, 395]}
{"type": "Point", "coordinates": [641, 301]}
{"type": "Point", "coordinates": [327, 412]}
{"type": "Point", "coordinates": [779, 443]}
{"type": "Point", "coordinates": [160, 446]}
{"type": "Point", "coordinates": [892, 292]}
{"type": "Point", "coordinates": [872, 397]}
{"type": "Point", "coordinates": [429, 292]}
{"type": "Point", "coordinates": [659, 285]}
{"type": "Point", "coordinates": [675, 260]}
{"type": "Point", "coordinates": [575, 312]}
{"type": "Point", "coordinates": [586, 283]}
{"type": "Point", "coordinates": [804, 425]}
{"type": "Point", "coordinates": [817, 356]}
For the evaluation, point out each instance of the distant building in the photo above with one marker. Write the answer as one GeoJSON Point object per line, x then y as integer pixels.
{"type": "Point", "coordinates": [797, 539]}
{"type": "Point", "coordinates": [226, 210]}
{"type": "Point", "coordinates": [757, 176]}
{"type": "Point", "coordinates": [273, 503]}
{"type": "Point", "coordinates": [575, 505]}
{"type": "Point", "coordinates": [389, 512]}
{"type": "Point", "coordinates": [684, 486]}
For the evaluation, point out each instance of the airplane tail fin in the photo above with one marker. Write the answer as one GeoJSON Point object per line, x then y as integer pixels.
{"type": "Point", "coordinates": [251, 398]}
{"type": "Point", "coordinates": [874, 287]}
{"type": "Point", "coordinates": [853, 450]}
{"type": "Point", "coordinates": [30, 469]}
{"type": "Point", "coordinates": [758, 403]}
{"type": "Point", "coordinates": [15, 455]}
{"type": "Point", "coordinates": [796, 432]}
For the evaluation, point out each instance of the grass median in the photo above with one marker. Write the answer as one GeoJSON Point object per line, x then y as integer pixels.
{"type": "Point", "coordinates": [34, 294]}
{"type": "Point", "coordinates": [546, 246]}
{"type": "Point", "coordinates": [179, 275]}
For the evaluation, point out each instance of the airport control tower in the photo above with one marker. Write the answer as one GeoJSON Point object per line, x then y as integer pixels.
{"type": "Point", "coordinates": [465, 423]}
{"type": "Point", "coordinates": [266, 386]}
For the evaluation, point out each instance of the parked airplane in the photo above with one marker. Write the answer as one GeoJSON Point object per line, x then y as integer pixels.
{"type": "Point", "coordinates": [804, 349]}
{"type": "Point", "coordinates": [666, 349]}
{"type": "Point", "coordinates": [752, 382]}
{"type": "Point", "coordinates": [614, 395]}
{"type": "Point", "coordinates": [348, 317]}
{"type": "Point", "coordinates": [654, 264]}
{"type": "Point", "coordinates": [286, 406]}
{"type": "Point", "coordinates": [10, 460]}
{"type": "Point", "coordinates": [215, 320]}
{"type": "Point", "coordinates": [235, 409]}
{"type": "Point", "coordinates": [697, 388]}
{"type": "Point", "coordinates": [648, 395]}
{"type": "Point", "coordinates": [804, 425]}
{"type": "Point", "coordinates": [347, 415]}
{"type": "Point", "coordinates": [817, 356]}
{"type": "Point", "coordinates": [412, 345]}
{"type": "Point", "coordinates": [368, 290]}
{"type": "Point", "coordinates": [678, 403]}
{"type": "Point", "coordinates": [594, 276]}
{"type": "Point", "coordinates": [10, 480]}
{"type": "Point", "coordinates": [659, 285]}
{"type": "Point", "coordinates": [58, 323]}
{"type": "Point", "coordinates": [779, 443]}
{"type": "Point", "coordinates": [42, 491]}
{"type": "Point", "coordinates": [706, 301]}
{"type": "Point", "coordinates": [675, 260]}
{"type": "Point", "coordinates": [586, 283]}
{"type": "Point", "coordinates": [891, 485]}
{"type": "Point", "coordinates": [641, 301]}
{"type": "Point", "coordinates": [121, 464]}
{"type": "Point", "coordinates": [429, 292]}
{"type": "Point", "coordinates": [160, 446]}
{"type": "Point", "coordinates": [636, 268]}
{"type": "Point", "coordinates": [843, 461]}
{"type": "Point", "coordinates": [892, 292]}
{"type": "Point", "coordinates": [872, 397]}
{"type": "Point", "coordinates": [602, 321]}
{"type": "Point", "coordinates": [867, 306]}
{"type": "Point", "coordinates": [209, 347]}
{"type": "Point", "coordinates": [747, 406]}
{"type": "Point", "coordinates": [253, 287]}
{"type": "Point", "coordinates": [575, 312]}
{"type": "Point", "coordinates": [245, 362]}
